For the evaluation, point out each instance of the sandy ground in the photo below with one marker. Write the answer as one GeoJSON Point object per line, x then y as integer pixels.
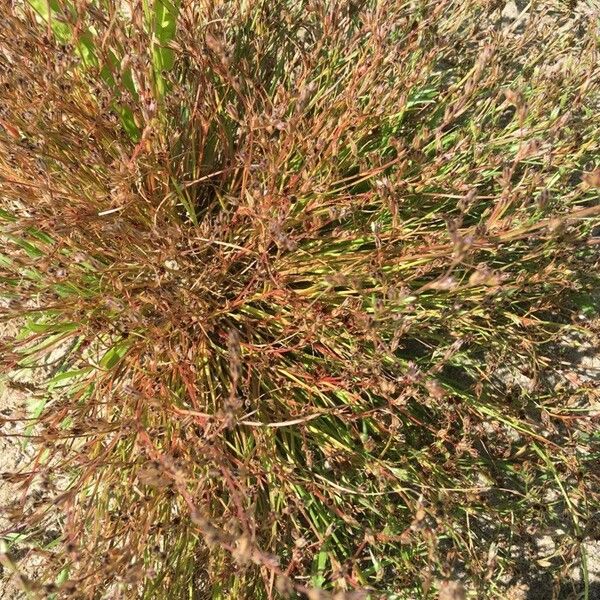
{"type": "Point", "coordinates": [12, 457]}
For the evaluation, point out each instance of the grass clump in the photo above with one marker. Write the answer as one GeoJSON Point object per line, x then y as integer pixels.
{"type": "Point", "coordinates": [294, 277]}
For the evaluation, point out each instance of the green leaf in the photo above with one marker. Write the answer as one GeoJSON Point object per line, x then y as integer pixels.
{"type": "Point", "coordinates": [318, 568]}
{"type": "Point", "coordinates": [588, 305]}
{"type": "Point", "coordinates": [40, 235]}
{"type": "Point", "coordinates": [114, 355]}
{"type": "Point", "coordinates": [185, 201]}
{"type": "Point", "coordinates": [62, 576]}
{"type": "Point", "coordinates": [5, 261]}
{"type": "Point", "coordinates": [165, 15]}
{"type": "Point", "coordinates": [67, 375]}
{"type": "Point", "coordinates": [51, 327]}
{"type": "Point", "coordinates": [87, 49]}
{"type": "Point", "coordinates": [6, 216]}
{"type": "Point", "coordinates": [47, 11]}
{"type": "Point", "coordinates": [126, 116]}
{"type": "Point", "coordinates": [32, 250]}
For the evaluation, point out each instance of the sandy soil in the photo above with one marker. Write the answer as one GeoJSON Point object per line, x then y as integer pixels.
{"type": "Point", "coordinates": [12, 458]}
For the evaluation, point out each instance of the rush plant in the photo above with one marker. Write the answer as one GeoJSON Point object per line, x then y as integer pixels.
{"type": "Point", "coordinates": [292, 280]}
